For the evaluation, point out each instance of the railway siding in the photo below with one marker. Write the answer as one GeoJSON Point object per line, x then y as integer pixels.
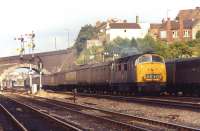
{"type": "Point", "coordinates": [33, 119]}
{"type": "Point", "coordinates": [123, 117]}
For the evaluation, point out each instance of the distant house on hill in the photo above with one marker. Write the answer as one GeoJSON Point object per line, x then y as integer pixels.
{"type": "Point", "coordinates": [117, 28]}
{"type": "Point", "coordinates": [123, 30]}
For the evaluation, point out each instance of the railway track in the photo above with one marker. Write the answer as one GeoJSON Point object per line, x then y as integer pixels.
{"type": "Point", "coordinates": [27, 118]}
{"type": "Point", "coordinates": [144, 123]}
{"type": "Point", "coordinates": [189, 103]}
{"type": "Point", "coordinates": [9, 122]}
{"type": "Point", "coordinates": [167, 102]}
{"type": "Point", "coordinates": [90, 119]}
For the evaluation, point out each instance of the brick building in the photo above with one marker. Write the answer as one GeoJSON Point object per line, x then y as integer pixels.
{"type": "Point", "coordinates": [184, 27]}
{"type": "Point", "coordinates": [189, 14]}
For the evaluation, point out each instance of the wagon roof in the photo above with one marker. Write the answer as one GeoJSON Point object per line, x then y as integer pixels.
{"type": "Point", "coordinates": [102, 64]}
{"type": "Point", "coordinates": [184, 59]}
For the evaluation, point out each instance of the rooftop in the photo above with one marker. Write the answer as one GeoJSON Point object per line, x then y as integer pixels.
{"type": "Point", "coordinates": [189, 13]}
{"type": "Point", "coordinates": [124, 26]}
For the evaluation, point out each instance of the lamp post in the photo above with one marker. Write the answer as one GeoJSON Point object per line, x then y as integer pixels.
{"type": "Point", "coordinates": [1, 85]}
{"type": "Point", "coordinates": [104, 54]}
{"type": "Point", "coordinates": [30, 76]}
{"type": "Point", "coordinates": [114, 56]}
{"type": "Point", "coordinates": [40, 66]}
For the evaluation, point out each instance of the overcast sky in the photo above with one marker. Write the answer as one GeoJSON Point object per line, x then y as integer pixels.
{"type": "Point", "coordinates": [52, 19]}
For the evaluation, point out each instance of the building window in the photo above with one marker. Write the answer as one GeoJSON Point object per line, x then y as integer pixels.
{"type": "Point", "coordinates": [186, 33]}
{"type": "Point", "coordinates": [163, 34]}
{"type": "Point", "coordinates": [174, 34]}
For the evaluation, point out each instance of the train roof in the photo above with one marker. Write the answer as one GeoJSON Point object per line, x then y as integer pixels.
{"type": "Point", "coordinates": [184, 60]}
{"type": "Point", "coordinates": [125, 59]}
{"type": "Point", "coordinates": [102, 64]}
{"type": "Point", "coordinates": [131, 57]}
{"type": "Point", "coordinates": [119, 60]}
{"type": "Point", "coordinates": [85, 66]}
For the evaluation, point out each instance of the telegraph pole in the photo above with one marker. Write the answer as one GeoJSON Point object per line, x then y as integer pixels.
{"type": "Point", "coordinates": [55, 43]}
{"type": "Point", "coordinates": [68, 41]}
{"type": "Point", "coordinates": [30, 76]}
{"type": "Point", "coordinates": [40, 71]}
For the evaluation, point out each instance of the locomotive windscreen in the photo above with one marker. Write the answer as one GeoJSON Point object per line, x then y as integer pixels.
{"type": "Point", "coordinates": [156, 58]}
{"type": "Point", "coordinates": [150, 58]}
{"type": "Point", "coordinates": [145, 58]}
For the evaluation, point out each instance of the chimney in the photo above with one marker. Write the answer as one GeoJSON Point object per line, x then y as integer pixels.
{"type": "Point", "coordinates": [163, 21]}
{"type": "Point", "coordinates": [137, 19]}
{"type": "Point", "coordinates": [181, 28]}
{"type": "Point", "coordinates": [168, 30]}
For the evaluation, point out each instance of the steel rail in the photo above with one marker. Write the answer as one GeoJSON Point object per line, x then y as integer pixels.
{"type": "Point", "coordinates": [140, 119]}
{"type": "Point", "coordinates": [45, 115]}
{"type": "Point", "coordinates": [114, 122]}
{"type": "Point", "coordinates": [13, 119]}
{"type": "Point", "coordinates": [147, 100]}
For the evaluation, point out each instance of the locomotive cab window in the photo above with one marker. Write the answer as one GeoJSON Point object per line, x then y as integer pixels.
{"type": "Point", "coordinates": [144, 58]}
{"type": "Point", "coordinates": [157, 59]}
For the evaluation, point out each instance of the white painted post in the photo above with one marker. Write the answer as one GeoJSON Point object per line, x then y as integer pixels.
{"type": "Point", "coordinates": [40, 80]}
{"type": "Point", "coordinates": [30, 77]}
{"type": "Point", "coordinates": [1, 85]}
{"type": "Point", "coordinates": [103, 58]}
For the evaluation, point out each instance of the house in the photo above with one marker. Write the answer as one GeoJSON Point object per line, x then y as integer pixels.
{"type": "Point", "coordinates": [184, 27]}
{"type": "Point", "coordinates": [189, 14]}
{"type": "Point", "coordinates": [155, 30]}
{"type": "Point", "coordinates": [173, 30]}
{"type": "Point", "coordinates": [196, 28]}
{"type": "Point", "coordinates": [114, 28]}
{"type": "Point", "coordinates": [123, 30]}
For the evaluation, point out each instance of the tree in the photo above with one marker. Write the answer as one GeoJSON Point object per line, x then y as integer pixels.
{"type": "Point", "coordinates": [162, 49]}
{"type": "Point", "coordinates": [133, 42]}
{"type": "Point", "coordinates": [122, 46]}
{"type": "Point", "coordinates": [91, 55]}
{"type": "Point", "coordinates": [179, 50]}
{"type": "Point", "coordinates": [86, 32]}
{"type": "Point", "coordinates": [198, 35]}
{"type": "Point", "coordinates": [146, 44]}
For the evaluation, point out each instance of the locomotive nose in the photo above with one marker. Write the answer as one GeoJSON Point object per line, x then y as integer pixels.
{"type": "Point", "coordinates": [152, 73]}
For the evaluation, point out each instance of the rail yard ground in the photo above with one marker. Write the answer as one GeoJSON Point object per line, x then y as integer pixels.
{"type": "Point", "coordinates": [161, 113]}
